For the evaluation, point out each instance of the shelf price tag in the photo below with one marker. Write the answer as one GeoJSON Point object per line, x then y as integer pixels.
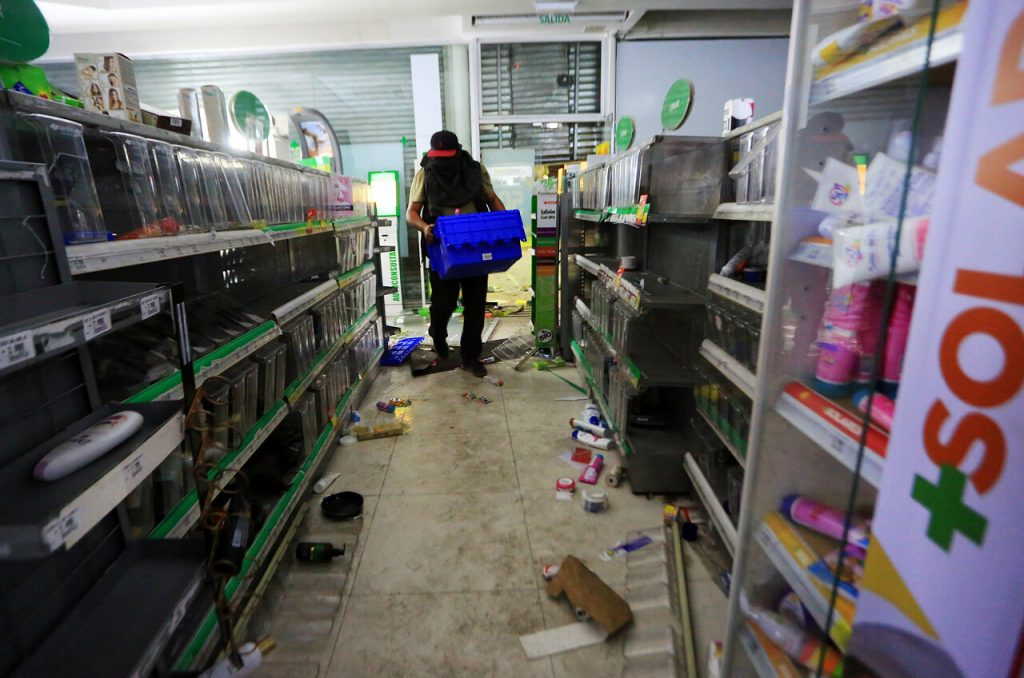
{"type": "Point", "coordinates": [149, 305]}
{"type": "Point", "coordinates": [60, 529]}
{"type": "Point", "coordinates": [16, 348]}
{"type": "Point", "coordinates": [132, 470]}
{"type": "Point", "coordinates": [96, 323]}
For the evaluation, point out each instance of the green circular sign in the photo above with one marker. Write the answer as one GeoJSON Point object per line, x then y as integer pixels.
{"type": "Point", "coordinates": [246, 106]}
{"type": "Point", "coordinates": [677, 104]}
{"type": "Point", "coordinates": [24, 33]}
{"type": "Point", "coordinates": [624, 131]}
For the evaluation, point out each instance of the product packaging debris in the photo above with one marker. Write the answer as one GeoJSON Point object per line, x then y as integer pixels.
{"type": "Point", "coordinates": [586, 591]}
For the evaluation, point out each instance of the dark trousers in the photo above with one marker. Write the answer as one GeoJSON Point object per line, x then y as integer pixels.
{"type": "Point", "coordinates": [444, 295]}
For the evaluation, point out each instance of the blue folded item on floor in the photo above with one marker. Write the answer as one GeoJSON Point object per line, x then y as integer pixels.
{"type": "Point", "coordinates": [399, 353]}
{"type": "Point", "coordinates": [476, 244]}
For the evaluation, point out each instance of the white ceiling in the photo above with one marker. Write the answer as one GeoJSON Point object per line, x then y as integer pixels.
{"type": "Point", "coordinates": [142, 28]}
{"type": "Point", "coordinates": [83, 16]}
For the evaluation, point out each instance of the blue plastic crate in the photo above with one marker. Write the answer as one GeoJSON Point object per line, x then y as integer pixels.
{"type": "Point", "coordinates": [476, 244]}
{"type": "Point", "coordinates": [399, 353]}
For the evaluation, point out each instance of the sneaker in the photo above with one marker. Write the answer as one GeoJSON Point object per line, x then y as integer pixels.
{"type": "Point", "coordinates": [476, 368]}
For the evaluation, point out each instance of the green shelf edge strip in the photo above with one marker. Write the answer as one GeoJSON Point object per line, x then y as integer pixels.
{"type": "Point", "coordinates": [355, 272]}
{"type": "Point", "coordinates": [171, 381]}
{"type": "Point", "coordinates": [210, 622]}
{"type": "Point", "coordinates": [157, 389]}
{"type": "Point", "coordinates": [192, 498]}
{"type": "Point", "coordinates": [295, 226]}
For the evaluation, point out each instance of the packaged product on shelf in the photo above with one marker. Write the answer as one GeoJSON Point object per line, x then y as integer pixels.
{"type": "Point", "coordinates": [807, 649]}
{"type": "Point", "coordinates": [215, 115]}
{"type": "Point", "coordinates": [850, 332]}
{"type": "Point", "coordinates": [865, 252]}
{"type": "Point", "coordinates": [737, 113]}
{"type": "Point", "coordinates": [108, 85]}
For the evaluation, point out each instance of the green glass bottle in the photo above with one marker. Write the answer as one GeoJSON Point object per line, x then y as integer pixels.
{"type": "Point", "coordinates": [317, 551]}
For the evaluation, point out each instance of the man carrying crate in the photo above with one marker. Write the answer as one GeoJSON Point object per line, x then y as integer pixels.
{"type": "Point", "coordinates": [449, 182]}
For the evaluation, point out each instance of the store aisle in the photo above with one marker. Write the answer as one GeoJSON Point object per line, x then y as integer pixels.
{"type": "Point", "coordinates": [460, 518]}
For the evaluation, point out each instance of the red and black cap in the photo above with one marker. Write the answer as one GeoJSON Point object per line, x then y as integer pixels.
{"type": "Point", "coordinates": [443, 144]}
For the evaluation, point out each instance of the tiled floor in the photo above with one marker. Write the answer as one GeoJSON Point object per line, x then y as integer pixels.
{"type": "Point", "coordinates": [460, 518]}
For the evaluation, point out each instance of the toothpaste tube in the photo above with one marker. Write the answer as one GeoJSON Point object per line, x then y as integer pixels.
{"type": "Point", "coordinates": [591, 473]}
{"type": "Point", "coordinates": [626, 547]}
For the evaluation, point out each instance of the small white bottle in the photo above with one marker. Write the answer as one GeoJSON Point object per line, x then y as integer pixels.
{"type": "Point", "coordinates": [591, 414]}
{"type": "Point", "coordinates": [592, 440]}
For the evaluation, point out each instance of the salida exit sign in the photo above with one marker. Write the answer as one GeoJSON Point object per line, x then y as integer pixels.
{"type": "Point", "coordinates": [555, 19]}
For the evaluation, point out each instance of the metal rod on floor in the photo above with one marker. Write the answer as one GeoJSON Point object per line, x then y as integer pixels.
{"type": "Point", "coordinates": [684, 604]}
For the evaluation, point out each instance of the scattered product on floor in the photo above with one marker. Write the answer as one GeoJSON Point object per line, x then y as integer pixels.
{"type": "Point", "coordinates": [592, 440]}
{"type": "Point", "coordinates": [317, 551]}
{"type": "Point", "coordinates": [586, 591]}
{"type": "Point", "coordinates": [565, 488]}
{"type": "Point", "coordinates": [342, 506]}
{"type": "Point", "coordinates": [582, 455]}
{"type": "Point", "coordinates": [494, 380]}
{"type": "Point", "coordinates": [626, 547]}
{"type": "Point", "coordinates": [572, 398]}
{"type": "Point", "coordinates": [562, 639]}
{"type": "Point", "coordinates": [595, 501]}
{"type": "Point", "coordinates": [615, 476]}
{"type": "Point", "coordinates": [325, 482]}
{"type": "Point", "coordinates": [593, 429]}
{"type": "Point", "coordinates": [593, 470]}
{"type": "Point", "coordinates": [483, 400]}
{"type": "Point", "coordinates": [385, 430]}
{"type": "Point", "coordinates": [549, 572]}
{"type": "Point", "coordinates": [251, 654]}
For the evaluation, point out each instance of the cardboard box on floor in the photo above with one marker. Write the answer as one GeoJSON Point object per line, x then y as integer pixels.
{"type": "Point", "coordinates": [586, 590]}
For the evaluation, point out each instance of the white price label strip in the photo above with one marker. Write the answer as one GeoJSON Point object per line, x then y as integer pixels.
{"type": "Point", "coordinates": [16, 348]}
{"type": "Point", "coordinates": [149, 306]}
{"type": "Point", "coordinates": [96, 323]}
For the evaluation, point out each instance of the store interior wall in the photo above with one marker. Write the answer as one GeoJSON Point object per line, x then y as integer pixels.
{"type": "Point", "coordinates": [719, 70]}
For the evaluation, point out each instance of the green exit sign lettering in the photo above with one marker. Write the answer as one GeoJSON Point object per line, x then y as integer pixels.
{"type": "Point", "coordinates": [555, 19]}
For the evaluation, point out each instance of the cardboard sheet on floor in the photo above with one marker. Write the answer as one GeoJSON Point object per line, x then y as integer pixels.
{"type": "Point", "coordinates": [562, 639]}
{"type": "Point", "coordinates": [423, 361]}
